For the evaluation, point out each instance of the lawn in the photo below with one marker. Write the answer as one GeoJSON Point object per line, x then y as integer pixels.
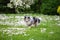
{"type": "Point", "coordinates": [12, 27]}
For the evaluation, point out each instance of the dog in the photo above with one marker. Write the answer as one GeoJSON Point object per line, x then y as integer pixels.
{"type": "Point", "coordinates": [31, 21]}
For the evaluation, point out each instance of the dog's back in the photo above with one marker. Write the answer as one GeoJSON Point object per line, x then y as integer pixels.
{"type": "Point", "coordinates": [36, 20]}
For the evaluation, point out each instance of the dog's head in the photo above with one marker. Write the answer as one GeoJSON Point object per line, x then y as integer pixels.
{"type": "Point", "coordinates": [26, 18]}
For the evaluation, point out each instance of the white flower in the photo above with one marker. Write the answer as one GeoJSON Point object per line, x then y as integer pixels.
{"type": "Point", "coordinates": [51, 32]}
{"type": "Point", "coordinates": [17, 3]}
{"type": "Point", "coordinates": [27, 6]}
{"type": "Point", "coordinates": [31, 39]}
{"type": "Point", "coordinates": [43, 30]}
{"type": "Point", "coordinates": [10, 5]}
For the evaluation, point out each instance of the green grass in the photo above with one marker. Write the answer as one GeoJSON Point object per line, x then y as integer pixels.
{"type": "Point", "coordinates": [52, 31]}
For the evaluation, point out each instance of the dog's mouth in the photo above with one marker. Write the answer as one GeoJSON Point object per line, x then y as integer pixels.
{"type": "Point", "coordinates": [26, 21]}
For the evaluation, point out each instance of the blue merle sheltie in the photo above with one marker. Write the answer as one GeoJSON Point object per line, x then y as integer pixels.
{"type": "Point", "coordinates": [31, 21]}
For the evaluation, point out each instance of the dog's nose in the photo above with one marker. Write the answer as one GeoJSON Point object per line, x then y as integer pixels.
{"type": "Point", "coordinates": [26, 21]}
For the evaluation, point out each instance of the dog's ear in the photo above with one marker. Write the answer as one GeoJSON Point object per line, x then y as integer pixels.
{"type": "Point", "coordinates": [33, 17]}
{"type": "Point", "coordinates": [28, 17]}
{"type": "Point", "coordinates": [24, 17]}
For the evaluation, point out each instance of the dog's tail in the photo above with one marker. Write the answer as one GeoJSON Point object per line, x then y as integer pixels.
{"type": "Point", "coordinates": [38, 20]}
